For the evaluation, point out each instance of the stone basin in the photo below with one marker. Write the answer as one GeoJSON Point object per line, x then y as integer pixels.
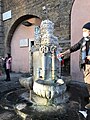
{"type": "Point", "coordinates": [53, 91]}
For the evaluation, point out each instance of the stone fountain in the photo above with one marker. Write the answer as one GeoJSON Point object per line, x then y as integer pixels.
{"type": "Point", "coordinates": [45, 85]}
{"type": "Point", "coordinates": [46, 95]}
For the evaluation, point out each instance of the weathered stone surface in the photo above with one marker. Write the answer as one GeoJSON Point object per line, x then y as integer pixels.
{"type": "Point", "coordinates": [54, 92]}
{"type": "Point", "coordinates": [39, 100]}
{"type": "Point", "coordinates": [1, 32]}
{"type": "Point", "coordinates": [58, 12]}
{"type": "Point", "coordinates": [26, 82]}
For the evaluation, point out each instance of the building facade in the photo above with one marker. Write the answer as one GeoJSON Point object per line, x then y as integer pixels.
{"type": "Point", "coordinates": [68, 17]}
{"type": "Point", "coordinates": [1, 30]}
{"type": "Point", "coordinates": [14, 32]}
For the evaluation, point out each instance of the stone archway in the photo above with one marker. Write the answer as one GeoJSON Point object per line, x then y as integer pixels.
{"type": "Point", "coordinates": [80, 15]}
{"type": "Point", "coordinates": [13, 28]}
{"type": "Point", "coordinates": [18, 31]}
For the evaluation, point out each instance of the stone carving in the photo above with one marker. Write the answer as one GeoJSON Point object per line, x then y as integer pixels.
{"type": "Point", "coordinates": [46, 66]}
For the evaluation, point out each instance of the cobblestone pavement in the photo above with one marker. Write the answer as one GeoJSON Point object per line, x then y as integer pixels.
{"type": "Point", "coordinates": [6, 114]}
{"type": "Point", "coordinates": [4, 88]}
{"type": "Point", "coordinates": [9, 85]}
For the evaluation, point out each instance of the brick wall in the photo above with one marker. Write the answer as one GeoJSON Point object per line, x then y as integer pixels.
{"type": "Point", "coordinates": [1, 32]}
{"type": "Point", "coordinates": [58, 12]}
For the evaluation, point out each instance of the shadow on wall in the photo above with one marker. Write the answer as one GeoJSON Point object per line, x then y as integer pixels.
{"type": "Point", "coordinates": [65, 69]}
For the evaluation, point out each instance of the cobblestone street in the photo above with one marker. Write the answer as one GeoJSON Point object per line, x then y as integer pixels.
{"type": "Point", "coordinates": [7, 114]}
{"type": "Point", "coordinates": [7, 87]}
{"type": "Point", "coordinates": [14, 83]}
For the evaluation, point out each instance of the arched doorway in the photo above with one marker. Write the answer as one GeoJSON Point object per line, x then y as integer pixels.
{"type": "Point", "coordinates": [80, 15]}
{"type": "Point", "coordinates": [18, 43]}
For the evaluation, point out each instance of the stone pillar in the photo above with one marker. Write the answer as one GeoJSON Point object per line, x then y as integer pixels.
{"type": "Point", "coordinates": [53, 66]}
{"type": "Point", "coordinates": [1, 32]}
{"type": "Point", "coordinates": [43, 66]}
